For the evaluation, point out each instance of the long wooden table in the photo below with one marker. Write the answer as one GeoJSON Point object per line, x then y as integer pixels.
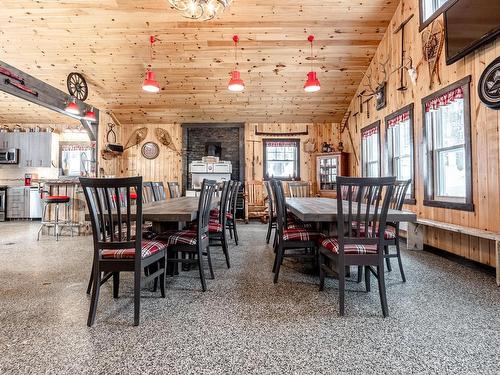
{"type": "Point", "coordinates": [324, 210]}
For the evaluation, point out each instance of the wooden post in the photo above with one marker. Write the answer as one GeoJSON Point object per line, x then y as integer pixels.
{"type": "Point", "coordinates": [415, 236]}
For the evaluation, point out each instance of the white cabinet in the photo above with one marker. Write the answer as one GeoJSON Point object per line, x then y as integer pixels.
{"type": "Point", "coordinates": [36, 149]}
{"type": "Point", "coordinates": [18, 202]}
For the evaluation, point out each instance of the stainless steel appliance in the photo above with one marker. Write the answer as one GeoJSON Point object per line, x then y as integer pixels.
{"type": "Point", "coordinates": [9, 156]}
{"type": "Point", "coordinates": [3, 202]}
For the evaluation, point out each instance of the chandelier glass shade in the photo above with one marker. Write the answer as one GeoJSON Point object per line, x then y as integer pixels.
{"type": "Point", "coordinates": [203, 10]}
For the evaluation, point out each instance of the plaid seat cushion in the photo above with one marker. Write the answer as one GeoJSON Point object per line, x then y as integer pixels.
{"type": "Point", "coordinates": [229, 216]}
{"type": "Point", "coordinates": [389, 234]}
{"type": "Point", "coordinates": [214, 227]}
{"type": "Point", "coordinates": [299, 234]}
{"type": "Point", "coordinates": [214, 213]}
{"type": "Point", "coordinates": [332, 244]}
{"type": "Point", "coordinates": [148, 248]}
{"type": "Point", "coordinates": [183, 237]}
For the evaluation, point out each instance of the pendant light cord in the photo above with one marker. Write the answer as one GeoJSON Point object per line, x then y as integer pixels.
{"type": "Point", "coordinates": [236, 40]}
{"type": "Point", "coordinates": [151, 41]}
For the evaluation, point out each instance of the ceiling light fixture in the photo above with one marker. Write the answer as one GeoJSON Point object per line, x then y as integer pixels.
{"type": "Point", "coordinates": [236, 84]}
{"type": "Point", "coordinates": [72, 107]}
{"type": "Point", "coordinates": [150, 84]}
{"type": "Point", "coordinates": [203, 10]}
{"type": "Point", "coordinates": [90, 115]}
{"type": "Point", "coordinates": [312, 84]}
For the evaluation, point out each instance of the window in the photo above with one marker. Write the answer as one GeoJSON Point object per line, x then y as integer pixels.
{"type": "Point", "coordinates": [370, 150]}
{"type": "Point", "coordinates": [431, 9]}
{"type": "Point", "coordinates": [399, 146]}
{"type": "Point", "coordinates": [447, 145]}
{"type": "Point", "coordinates": [281, 159]}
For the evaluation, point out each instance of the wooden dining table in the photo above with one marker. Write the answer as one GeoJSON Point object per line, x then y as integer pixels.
{"type": "Point", "coordinates": [324, 210]}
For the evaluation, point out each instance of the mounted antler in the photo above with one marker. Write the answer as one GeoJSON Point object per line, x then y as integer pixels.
{"type": "Point", "coordinates": [378, 90]}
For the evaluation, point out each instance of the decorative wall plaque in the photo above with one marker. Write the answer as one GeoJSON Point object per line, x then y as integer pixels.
{"type": "Point", "coordinates": [150, 150]}
{"type": "Point", "coordinates": [489, 85]}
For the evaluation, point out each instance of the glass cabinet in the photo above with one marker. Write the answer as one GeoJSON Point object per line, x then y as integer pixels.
{"type": "Point", "coordinates": [328, 167]}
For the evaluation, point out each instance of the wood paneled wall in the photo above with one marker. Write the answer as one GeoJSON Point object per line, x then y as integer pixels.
{"type": "Point", "coordinates": [485, 135]}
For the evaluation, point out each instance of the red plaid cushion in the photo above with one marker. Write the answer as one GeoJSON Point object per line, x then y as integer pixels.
{"type": "Point", "coordinates": [299, 234]}
{"type": "Point", "coordinates": [185, 237]}
{"type": "Point", "coordinates": [148, 248]}
{"type": "Point", "coordinates": [332, 244]}
{"type": "Point", "coordinates": [214, 227]}
{"type": "Point", "coordinates": [229, 216]}
{"type": "Point", "coordinates": [214, 213]}
{"type": "Point", "coordinates": [389, 234]}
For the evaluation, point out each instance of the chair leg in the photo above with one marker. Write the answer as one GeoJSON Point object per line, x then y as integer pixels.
{"type": "Point", "coordinates": [387, 260]}
{"type": "Point", "coordinates": [367, 279]}
{"type": "Point", "coordinates": [42, 225]}
{"type": "Point", "coordinates": [269, 230]}
{"type": "Point", "coordinates": [137, 296]}
{"type": "Point", "coordinates": [341, 270]}
{"type": "Point", "coordinates": [381, 289]}
{"type": "Point", "coordinates": [209, 258]}
{"type": "Point", "coordinates": [278, 261]}
{"type": "Point", "coordinates": [116, 284]}
{"type": "Point", "coordinates": [236, 238]}
{"type": "Point", "coordinates": [163, 264]}
{"type": "Point", "coordinates": [321, 272]}
{"type": "Point", "coordinates": [91, 279]}
{"type": "Point", "coordinates": [95, 297]}
{"type": "Point", "coordinates": [56, 225]}
{"type": "Point", "coordinates": [398, 250]}
{"type": "Point", "coordinates": [225, 250]}
{"type": "Point", "coordinates": [360, 274]}
{"type": "Point", "coordinates": [202, 273]}
{"type": "Point", "coordinates": [231, 231]}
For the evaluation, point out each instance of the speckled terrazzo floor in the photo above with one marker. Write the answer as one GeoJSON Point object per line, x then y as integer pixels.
{"type": "Point", "coordinates": [444, 320]}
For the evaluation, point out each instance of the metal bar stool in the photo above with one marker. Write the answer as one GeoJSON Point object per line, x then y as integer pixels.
{"type": "Point", "coordinates": [56, 223]}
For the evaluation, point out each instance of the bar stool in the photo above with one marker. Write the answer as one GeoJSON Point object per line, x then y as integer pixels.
{"type": "Point", "coordinates": [46, 222]}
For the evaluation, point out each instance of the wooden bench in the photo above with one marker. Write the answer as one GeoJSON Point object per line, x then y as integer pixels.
{"type": "Point", "coordinates": [415, 236]}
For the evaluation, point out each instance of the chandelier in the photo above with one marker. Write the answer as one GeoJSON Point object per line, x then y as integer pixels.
{"type": "Point", "coordinates": [200, 9]}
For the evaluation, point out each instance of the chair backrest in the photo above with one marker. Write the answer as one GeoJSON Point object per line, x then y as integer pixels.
{"type": "Point", "coordinates": [233, 198]}
{"type": "Point", "coordinates": [147, 192]}
{"type": "Point", "coordinates": [299, 189]}
{"type": "Point", "coordinates": [204, 205]}
{"type": "Point", "coordinates": [398, 198]}
{"type": "Point", "coordinates": [173, 189]}
{"type": "Point", "coordinates": [159, 191]}
{"type": "Point", "coordinates": [280, 200]}
{"type": "Point", "coordinates": [225, 193]}
{"type": "Point", "coordinates": [114, 225]}
{"type": "Point", "coordinates": [360, 223]}
{"type": "Point", "coordinates": [271, 199]}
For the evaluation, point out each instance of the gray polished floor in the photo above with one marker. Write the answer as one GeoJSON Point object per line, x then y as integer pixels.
{"type": "Point", "coordinates": [444, 320]}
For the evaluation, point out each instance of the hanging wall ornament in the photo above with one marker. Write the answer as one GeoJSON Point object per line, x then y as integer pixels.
{"type": "Point", "coordinates": [489, 85]}
{"type": "Point", "coordinates": [137, 136]}
{"type": "Point", "coordinates": [150, 150]}
{"type": "Point", "coordinates": [432, 45]}
{"type": "Point", "coordinates": [77, 86]}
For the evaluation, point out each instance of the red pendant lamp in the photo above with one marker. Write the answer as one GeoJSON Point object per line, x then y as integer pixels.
{"type": "Point", "coordinates": [90, 115]}
{"type": "Point", "coordinates": [236, 84]}
{"type": "Point", "coordinates": [72, 107]}
{"type": "Point", "coordinates": [150, 84]}
{"type": "Point", "coordinates": [312, 84]}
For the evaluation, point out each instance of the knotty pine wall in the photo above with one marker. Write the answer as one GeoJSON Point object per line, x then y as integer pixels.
{"type": "Point", "coordinates": [168, 165]}
{"type": "Point", "coordinates": [485, 136]}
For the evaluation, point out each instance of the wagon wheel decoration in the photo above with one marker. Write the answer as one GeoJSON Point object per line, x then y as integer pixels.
{"type": "Point", "coordinates": [77, 86]}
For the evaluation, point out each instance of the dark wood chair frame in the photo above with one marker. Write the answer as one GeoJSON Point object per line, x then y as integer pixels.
{"type": "Point", "coordinates": [220, 238]}
{"type": "Point", "coordinates": [231, 208]}
{"type": "Point", "coordinates": [272, 212]}
{"type": "Point", "coordinates": [112, 229]}
{"type": "Point", "coordinates": [299, 189]}
{"type": "Point", "coordinates": [159, 191]}
{"type": "Point", "coordinates": [282, 247]}
{"type": "Point", "coordinates": [347, 222]}
{"type": "Point", "coordinates": [174, 189]}
{"type": "Point", "coordinates": [196, 252]}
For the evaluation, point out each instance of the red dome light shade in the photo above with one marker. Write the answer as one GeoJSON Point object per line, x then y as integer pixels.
{"type": "Point", "coordinates": [236, 84]}
{"type": "Point", "coordinates": [150, 84]}
{"type": "Point", "coordinates": [312, 84]}
{"type": "Point", "coordinates": [72, 107]}
{"type": "Point", "coordinates": [90, 115]}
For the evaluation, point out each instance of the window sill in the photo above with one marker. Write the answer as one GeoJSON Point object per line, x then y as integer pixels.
{"type": "Point", "coordinates": [450, 205]}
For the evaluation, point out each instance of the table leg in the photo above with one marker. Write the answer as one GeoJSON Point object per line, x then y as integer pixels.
{"type": "Point", "coordinates": [497, 255]}
{"type": "Point", "coordinates": [415, 236]}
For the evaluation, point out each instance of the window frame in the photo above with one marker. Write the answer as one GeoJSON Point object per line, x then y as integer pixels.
{"type": "Point", "coordinates": [433, 16]}
{"type": "Point", "coordinates": [389, 150]}
{"type": "Point", "coordinates": [430, 154]}
{"type": "Point", "coordinates": [376, 124]}
{"type": "Point", "coordinates": [264, 158]}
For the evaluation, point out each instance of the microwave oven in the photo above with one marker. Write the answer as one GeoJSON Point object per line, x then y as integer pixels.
{"type": "Point", "coordinates": [9, 156]}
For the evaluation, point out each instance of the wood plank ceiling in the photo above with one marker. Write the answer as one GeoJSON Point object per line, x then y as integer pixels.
{"type": "Point", "coordinates": [107, 41]}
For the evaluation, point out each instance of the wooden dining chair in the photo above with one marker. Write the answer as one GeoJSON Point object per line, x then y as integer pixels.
{"type": "Point", "coordinates": [355, 247]}
{"type": "Point", "coordinates": [174, 189]}
{"type": "Point", "coordinates": [299, 189]}
{"type": "Point", "coordinates": [271, 206]}
{"type": "Point", "coordinates": [217, 227]}
{"type": "Point", "coordinates": [117, 235]}
{"type": "Point", "coordinates": [254, 200]}
{"type": "Point", "coordinates": [231, 211]}
{"type": "Point", "coordinates": [293, 242]}
{"type": "Point", "coordinates": [158, 191]}
{"type": "Point", "coordinates": [147, 192]}
{"type": "Point", "coordinates": [194, 242]}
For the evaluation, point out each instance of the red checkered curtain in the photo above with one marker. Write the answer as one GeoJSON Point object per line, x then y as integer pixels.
{"type": "Point", "coordinates": [444, 99]}
{"type": "Point", "coordinates": [369, 132]}
{"type": "Point", "coordinates": [280, 144]}
{"type": "Point", "coordinates": [395, 121]}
